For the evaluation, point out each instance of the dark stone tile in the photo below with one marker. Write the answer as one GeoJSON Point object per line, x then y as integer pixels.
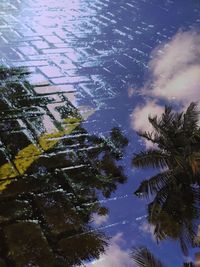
{"type": "Point", "coordinates": [28, 245]}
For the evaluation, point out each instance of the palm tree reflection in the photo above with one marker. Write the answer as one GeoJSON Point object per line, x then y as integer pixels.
{"type": "Point", "coordinates": [50, 182]}
{"type": "Point", "coordinates": [174, 210]}
{"type": "Point", "coordinates": [143, 257]}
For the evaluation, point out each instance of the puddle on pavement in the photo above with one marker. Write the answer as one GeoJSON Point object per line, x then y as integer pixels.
{"type": "Point", "coordinates": [78, 82]}
{"type": "Point", "coordinates": [51, 177]}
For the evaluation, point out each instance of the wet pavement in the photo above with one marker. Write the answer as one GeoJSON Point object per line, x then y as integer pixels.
{"type": "Point", "coordinates": [67, 93]}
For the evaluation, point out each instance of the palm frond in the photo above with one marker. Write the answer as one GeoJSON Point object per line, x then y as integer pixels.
{"type": "Point", "coordinates": [154, 184]}
{"type": "Point", "coordinates": [167, 116]}
{"type": "Point", "coordinates": [155, 208]}
{"type": "Point", "coordinates": [191, 118]}
{"type": "Point", "coordinates": [163, 123]}
{"type": "Point", "coordinates": [187, 237]}
{"type": "Point", "coordinates": [144, 258]}
{"type": "Point", "coordinates": [151, 158]}
{"type": "Point", "coordinates": [155, 123]}
{"type": "Point", "coordinates": [174, 210]}
{"type": "Point", "coordinates": [147, 135]}
{"type": "Point", "coordinates": [188, 264]}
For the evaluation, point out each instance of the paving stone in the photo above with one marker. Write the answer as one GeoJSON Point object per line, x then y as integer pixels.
{"type": "Point", "coordinates": [28, 51]}
{"type": "Point", "coordinates": [90, 52]}
{"type": "Point", "coordinates": [3, 157]}
{"type": "Point", "coordinates": [60, 215]}
{"type": "Point", "coordinates": [35, 63]}
{"type": "Point", "coordinates": [38, 79]}
{"type": "Point", "coordinates": [68, 66]}
{"type": "Point", "coordinates": [11, 125]}
{"type": "Point", "coordinates": [2, 263]}
{"type": "Point", "coordinates": [53, 89]}
{"type": "Point", "coordinates": [13, 210]}
{"type": "Point", "coordinates": [27, 245]}
{"type": "Point", "coordinates": [40, 44]}
{"type": "Point", "coordinates": [23, 140]}
{"type": "Point", "coordinates": [55, 50]}
{"type": "Point", "coordinates": [51, 71]}
{"type": "Point", "coordinates": [70, 80]}
{"type": "Point", "coordinates": [52, 39]}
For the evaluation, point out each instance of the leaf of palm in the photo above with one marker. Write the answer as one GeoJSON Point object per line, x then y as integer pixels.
{"type": "Point", "coordinates": [156, 214]}
{"type": "Point", "coordinates": [163, 124]}
{"type": "Point", "coordinates": [174, 213]}
{"type": "Point", "coordinates": [188, 236]}
{"type": "Point", "coordinates": [191, 118]}
{"type": "Point", "coordinates": [188, 264]}
{"type": "Point", "coordinates": [155, 184]}
{"type": "Point", "coordinates": [150, 136]}
{"type": "Point", "coordinates": [151, 158]}
{"type": "Point", "coordinates": [144, 258]}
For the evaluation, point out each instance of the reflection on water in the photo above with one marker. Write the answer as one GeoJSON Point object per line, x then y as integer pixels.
{"type": "Point", "coordinates": [174, 211]}
{"type": "Point", "coordinates": [52, 172]}
{"type": "Point", "coordinates": [143, 257]}
{"type": "Point", "coordinates": [120, 57]}
{"type": "Point", "coordinates": [50, 181]}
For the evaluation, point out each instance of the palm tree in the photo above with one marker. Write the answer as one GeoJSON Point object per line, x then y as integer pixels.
{"type": "Point", "coordinates": [176, 138]}
{"type": "Point", "coordinates": [175, 216]}
{"type": "Point", "coordinates": [49, 205]}
{"type": "Point", "coordinates": [143, 257]}
{"type": "Point", "coordinates": [175, 189]}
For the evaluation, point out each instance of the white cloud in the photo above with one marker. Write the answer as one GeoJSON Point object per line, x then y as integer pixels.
{"type": "Point", "coordinates": [115, 255]}
{"type": "Point", "coordinates": [147, 228]}
{"type": "Point", "coordinates": [183, 86]}
{"type": "Point", "coordinates": [175, 68]}
{"type": "Point", "coordinates": [139, 117]}
{"type": "Point", "coordinates": [99, 219]}
{"type": "Point", "coordinates": [181, 51]}
{"type": "Point", "coordinates": [174, 71]}
{"type": "Point", "coordinates": [131, 91]}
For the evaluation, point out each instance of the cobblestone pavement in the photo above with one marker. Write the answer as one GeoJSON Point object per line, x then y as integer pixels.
{"type": "Point", "coordinates": [95, 48]}
{"type": "Point", "coordinates": [50, 170]}
{"type": "Point", "coordinates": [86, 53]}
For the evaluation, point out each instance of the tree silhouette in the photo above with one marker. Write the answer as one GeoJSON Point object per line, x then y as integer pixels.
{"type": "Point", "coordinates": [143, 257]}
{"type": "Point", "coordinates": [175, 190]}
{"type": "Point", "coordinates": [50, 181]}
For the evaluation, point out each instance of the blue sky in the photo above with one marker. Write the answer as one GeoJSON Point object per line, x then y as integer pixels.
{"type": "Point", "coordinates": [155, 60]}
{"type": "Point", "coordinates": [170, 75]}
